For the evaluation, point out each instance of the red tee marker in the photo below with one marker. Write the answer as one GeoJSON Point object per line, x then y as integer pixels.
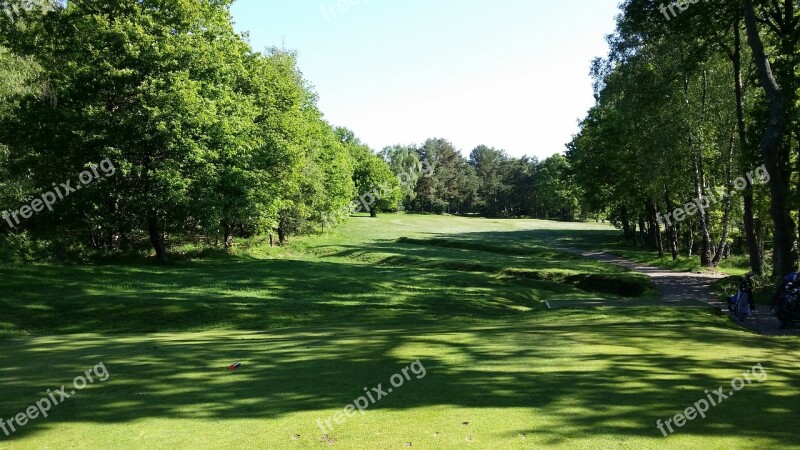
{"type": "Point", "coordinates": [234, 366]}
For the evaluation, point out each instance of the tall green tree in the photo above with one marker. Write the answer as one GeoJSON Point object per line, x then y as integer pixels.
{"type": "Point", "coordinates": [404, 162]}
{"type": "Point", "coordinates": [377, 187]}
{"type": "Point", "coordinates": [488, 164]}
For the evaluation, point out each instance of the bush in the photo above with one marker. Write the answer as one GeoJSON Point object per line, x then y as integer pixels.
{"type": "Point", "coordinates": [16, 247]}
{"type": "Point", "coordinates": [439, 206]}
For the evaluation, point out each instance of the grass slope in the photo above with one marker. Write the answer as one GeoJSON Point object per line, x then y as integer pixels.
{"type": "Point", "coordinates": [315, 323]}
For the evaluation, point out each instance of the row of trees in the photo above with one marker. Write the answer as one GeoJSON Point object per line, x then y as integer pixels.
{"type": "Point", "coordinates": [686, 106]}
{"type": "Point", "coordinates": [489, 182]}
{"type": "Point", "coordinates": [208, 137]}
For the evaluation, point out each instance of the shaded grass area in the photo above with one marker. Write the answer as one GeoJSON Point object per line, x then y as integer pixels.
{"type": "Point", "coordinates": [316, 322]}
{"type": "Point", "coordinates": [624, 284]}
{"type": "Point", "coordinates": [561, 379]}
{"type": "Point", "coordinates": [245, 295]}
{"type": "Point", "coordinates": [354, 275]}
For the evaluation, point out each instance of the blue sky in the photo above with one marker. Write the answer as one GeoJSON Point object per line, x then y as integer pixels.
{"type": "Point", "coordinates": [511, 74]}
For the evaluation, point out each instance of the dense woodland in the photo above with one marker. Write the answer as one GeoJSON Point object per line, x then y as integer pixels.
{"type": "Point", "coordinates": [684, 108]}
{"type": "Point", "coordinates": [209, 139]}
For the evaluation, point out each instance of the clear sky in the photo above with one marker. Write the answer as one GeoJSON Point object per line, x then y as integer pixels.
{"type": "Point", "coordinates": [511, 74]}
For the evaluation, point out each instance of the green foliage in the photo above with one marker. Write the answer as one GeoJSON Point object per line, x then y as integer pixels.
{"type": "Point", "coordinates": [557, 193]}
{"type": "Point", "coordinates": [207, 136]}
{"type": "Point", "coordinates": [17, 78]}
{"type": "Point", "coordinates": [404, 161]}
{"type": "Point", "coordinates": [377, 188]}
{"type": "Point", "coordinates": [16, 248]}
{"type": "Point", "coordinates": [451, 186]}
{"type": "Point", "coordinates": [488, 167]}
{"type": "Point", "coordinates": [665, 128]}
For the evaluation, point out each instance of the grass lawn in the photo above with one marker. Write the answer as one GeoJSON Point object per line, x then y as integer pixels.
{"type": "Point", "coordinates": [315, 323]}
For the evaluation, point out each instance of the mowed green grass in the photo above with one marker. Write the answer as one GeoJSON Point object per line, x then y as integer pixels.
{"type": "Point", "coordinates": [317, 322]}
{"type": "Point", "coordinates": [393, 269]}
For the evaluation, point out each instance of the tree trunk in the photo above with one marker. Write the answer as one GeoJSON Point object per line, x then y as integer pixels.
{"type": "Point", "coordinates": [698, 174]}
{"type": "Point", "coordinates": [797, 169]}
{"type": "Point", "coordinates": [655, 228]}
{"type": "Point", "coordinates": [784, 258]}
{"type": "Point", "coordinates": [283, 231]}
{"type": "Point", "coordinates": [626, 226]}
{"type": "Point", "coordinates": [753, 239]}
{"type": "Point", "coordinates": [726, 216]}
{"type": "Point", "coordinates": [156, 237]}
{"type": "Point", "coordinates": [228, 235]}
{"type": "Point", "coordinates": [672, 234]}
{"type": "Point", "coordinates": [642, 232]}
{"type": "Point", "coordinates": [702, 219]}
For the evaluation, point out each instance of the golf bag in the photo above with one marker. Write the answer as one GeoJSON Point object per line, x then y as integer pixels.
{"type": "Point", "coordinates": [786, 301]}
{"type": "Point", "coordinates": [742, 305]}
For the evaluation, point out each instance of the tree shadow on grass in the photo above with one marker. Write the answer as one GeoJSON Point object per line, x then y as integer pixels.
{"type": "Point", "coordinates": [469, 275]}
{"type": "Point", "coordinates": [517, 255]}
{"type": "Point", "coordinates": [404, 282]}
{"type": "Point", "coordinates": [586, 374]}
{"type": "Point", "coordinates": [244, 295]}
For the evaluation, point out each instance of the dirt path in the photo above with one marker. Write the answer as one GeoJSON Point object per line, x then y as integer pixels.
{"type": "Point", "coordinates": [679, 289]}
{"type": "Point", "coordinates": [675, 288]}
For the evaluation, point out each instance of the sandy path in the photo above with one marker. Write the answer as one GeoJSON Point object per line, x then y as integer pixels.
{"type": "Point", "coordinates": [680, 289]}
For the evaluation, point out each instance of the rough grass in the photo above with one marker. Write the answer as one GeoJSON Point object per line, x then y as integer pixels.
{"type": "Point", "coordinates": [315, 323]}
